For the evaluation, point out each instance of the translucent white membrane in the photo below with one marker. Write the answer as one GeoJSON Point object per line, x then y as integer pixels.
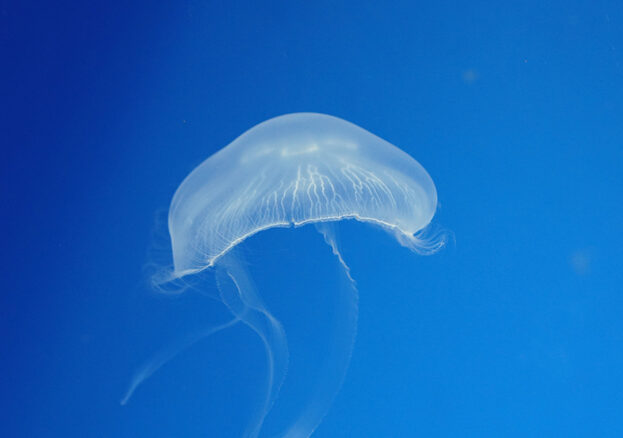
{"type": "Point", "coordinates": [289, 171]}
{"type": "Point", "coordinates": [292, 170]}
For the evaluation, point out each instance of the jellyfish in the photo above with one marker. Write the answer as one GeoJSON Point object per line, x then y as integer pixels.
{"type": "Point", "coordinates": [290, 171]}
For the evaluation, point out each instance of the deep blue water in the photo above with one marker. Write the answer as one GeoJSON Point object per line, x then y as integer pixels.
{"type": "Point", "coordinates": [514, 329]}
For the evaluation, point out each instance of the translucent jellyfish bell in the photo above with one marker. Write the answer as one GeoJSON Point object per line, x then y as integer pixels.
{"type": "Point", "coordinates": [290, 171]}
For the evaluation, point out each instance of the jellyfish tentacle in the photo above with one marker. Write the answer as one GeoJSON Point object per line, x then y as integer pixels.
{"type": "Point", "coordinates": [167, 354]}
{"type": "Point", "coordinates": [327, 230]}
{"type": "Point", "coordinates": [333, 370]}
{"type": "Point", "coordinates": [243, 301]}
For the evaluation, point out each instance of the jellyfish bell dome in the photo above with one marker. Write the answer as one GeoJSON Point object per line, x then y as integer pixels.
{"type": "Point", "coordinates": [292, 170]}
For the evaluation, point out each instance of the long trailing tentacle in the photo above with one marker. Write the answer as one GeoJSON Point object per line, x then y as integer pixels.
{"type": "Point", "coordinates": [168, 353]}
{"type": "Point", "coordinates": [239, 295]}
{"type": "Point", "coordinates": [334, 370]}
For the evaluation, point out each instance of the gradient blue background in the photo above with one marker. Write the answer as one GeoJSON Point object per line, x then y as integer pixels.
{"type": "Point", "coordinates": [515, 329]}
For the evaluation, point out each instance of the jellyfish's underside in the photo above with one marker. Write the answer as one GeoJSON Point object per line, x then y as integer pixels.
{"type": "Point", "coordinates": [289, 171]}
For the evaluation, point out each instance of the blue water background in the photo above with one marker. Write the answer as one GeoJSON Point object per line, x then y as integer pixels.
{"type": "Point", "coordinates": [515, 109]}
